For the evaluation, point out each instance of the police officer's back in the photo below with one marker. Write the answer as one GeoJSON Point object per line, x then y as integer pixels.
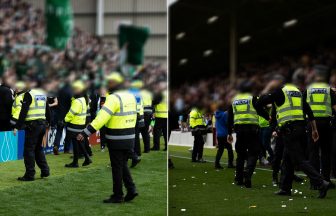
{"type": "Point", "coordinates": [243, 115]}
{"type": "Point", "coordinates": [198, 129]}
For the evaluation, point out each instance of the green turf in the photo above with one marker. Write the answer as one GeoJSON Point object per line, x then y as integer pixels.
{"type": "Point", "coordinates": [202, 190]}
{"type": "Point", "coordinates": [81, 191]}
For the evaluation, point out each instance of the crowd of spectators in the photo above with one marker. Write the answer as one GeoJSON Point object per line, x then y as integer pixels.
{"type": "Point", "coordinates": [23, 51]}
{"type": "Point", "coordinates": [208, 92]}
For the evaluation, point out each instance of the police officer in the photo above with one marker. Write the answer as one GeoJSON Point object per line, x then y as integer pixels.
{"type": "Point", "coordinates": [148, 111]}
{"type": "Point", "coordinates": [243, 116]}
{"type": "Point", "coordinates": [198, 129]}
{"type": "Point", "coordinates": [161, 116]}
{"type": "Point", "coordinates": [119, 116]}
{"type": "Point", "coordinates": [321, 99]}
{"type": "Point", "coordinates": [291, 110]}
{"type": "Point", "coordinates": [20, 88]}
{"type": "Point", "coordinates": [33, 115]}
{"type": "Point", "coordinates": [136, 154]}
{"type": "Point", "coordinates": [75, 121]}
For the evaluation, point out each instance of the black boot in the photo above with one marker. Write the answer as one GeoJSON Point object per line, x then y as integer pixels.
{"type": "Point", "coordinates": [72, 165]}
{"type": "Point", "coordinates": [114, 199]}
{"type": "Point", "coordinates": [323, 189]}
{"type": "Point", "coordinates": [130, 196]}
{"type": "Point", "coordinates": [283, 193]}
{"type": "Point", "coordinates": [26, 178]}
{"type": "Point", "coordinates": [87, 162]}
{"type": "Point", "coordinates": [135, 162]}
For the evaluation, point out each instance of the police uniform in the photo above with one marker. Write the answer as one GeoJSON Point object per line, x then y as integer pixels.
{"type": "Point", "coordinates": [243, 115]}
{"type": "Point", "coordinates": [160, 126]}
{"type": "Point", "coordinates": [198, 129]}
{"type": "Point", "coordinates": [148, 111]}
{"type": "Point", "coordinates": [265, 138]}
{"type": "Point", "coordinates": [16, 108]}
{"type": "Point", "coordinates": [119, 116]}
{"type": "Point", "coordinates": [136, 153]}
{"type": "Point", "coordinates": [321, 98]}
{"type": "Point", "coordinates": [75, 121]}
{"type": "Point", "coordinates": [32, 118]}
{"type": "Point", "coordinates": [291, 110]}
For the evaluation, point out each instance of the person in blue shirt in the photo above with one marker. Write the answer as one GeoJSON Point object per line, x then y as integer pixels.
{"type": "Point", "coordinates": [221, 119]}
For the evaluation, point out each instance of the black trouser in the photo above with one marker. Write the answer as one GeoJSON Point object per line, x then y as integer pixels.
{"type": "Point", "coordinates": [160, 128]}
{"type": "Point", "coordinates": [58, 137]}
{"type": "Point", "coordinates": [87, 148]}
{"type": "Point", "coordinates": [222, 144]}
{"type": "Point", "coordinates": [120, 171]}
{"type": "Point", "coordinates": [136, 151]}
{"type": "Point", "coordinates": [33, 149]}
{"type": "Point", "coordinates": [197, 153]}
{"type": "Point", "coordinates": [278, 153]}
{"type": "Point", "coordinates": [333, 157]}
{"type": "Point", "coordinates": [5, 125]}
{"type": "Point", "coordinates": [102, 137]}
{"type": "Point", "coordinates": [247, 148]}
{"type": "Point", "coordinates": [265, 139]}
{"type": "Point", "coordinates": [324, 146]}
{"type": "Point", "coordinates": [293, 135]}
{"type": "Point", "coordinates": [144, 132]}
{"type": "Point", "coordinates": [76, 145]}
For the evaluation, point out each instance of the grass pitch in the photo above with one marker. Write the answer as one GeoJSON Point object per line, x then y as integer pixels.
{"type": "Point", "coordinates": [81, 191]}
{"type": "Point", "coordinates": [199, 189]}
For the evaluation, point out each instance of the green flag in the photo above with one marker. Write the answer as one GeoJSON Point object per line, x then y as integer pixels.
{"type": "Point", "coordinates": [59, 20]}
{"type": "Point", "coordinates": [135, 37]}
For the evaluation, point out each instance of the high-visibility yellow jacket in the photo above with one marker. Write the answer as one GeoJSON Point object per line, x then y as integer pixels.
{"type": "Point", "coordinates": [37, 108]}
{"type": "Point", "coordinates": [76, 117]}
{"type": "Point", "coordinates": [147, 100]}
{"type": "Point", "coordinates": [243, 110]}
{"type": "Point", "coordinates": [161, 109]}
{"type": "Point", "coordinates": [16, 108]}
{"type": "Point", "coordinates": [119, 116]}
{"type": "Point", "coordinates": [292, 109]}
{"type": "Point", "coordinates": [319, 100]}
{"type": "Point", "coordinates": [196, 118]}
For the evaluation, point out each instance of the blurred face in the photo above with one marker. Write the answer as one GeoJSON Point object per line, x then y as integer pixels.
{"type": "Point", "coordinates": [10, 80]}
{"type": "Point", "coordinates": [112, 84]}
{"type": "Point", "coordinates": [76, 91]}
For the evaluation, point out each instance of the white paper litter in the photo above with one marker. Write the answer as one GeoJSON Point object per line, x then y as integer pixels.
{"type": "Point", "coordinates": [183, 210]}
{"type": "Point", "coordinates": [283, 206]}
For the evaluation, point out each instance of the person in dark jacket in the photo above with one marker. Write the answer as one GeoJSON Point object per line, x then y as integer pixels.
{"type": "Point", "coordinates": [6, 102]}
{"type": "Point", "coordinates": [222, 132]}
{"type": "Point", "coordinates": [64, 102]}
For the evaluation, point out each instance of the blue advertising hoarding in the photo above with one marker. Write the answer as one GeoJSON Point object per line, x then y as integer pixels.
{"type": "Point", "coordinates": [11, 147]}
